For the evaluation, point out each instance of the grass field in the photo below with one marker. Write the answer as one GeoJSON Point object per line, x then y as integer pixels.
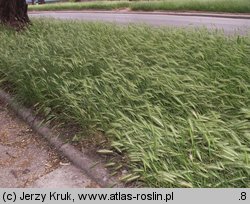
{"type": "Point", "coordinates": [175, 102]}
{"type": "Point", "coordinates": [233, 6]}
{"type": "Point", "coordinates": [99, 5]}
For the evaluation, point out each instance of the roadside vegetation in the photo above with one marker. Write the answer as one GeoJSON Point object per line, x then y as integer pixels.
{"type": "Point", "coordinates": [175, 102]}
{"type": "Point", "coordinates": [99, 5]}
{"type": "Point", "coordinates": [232, 6]}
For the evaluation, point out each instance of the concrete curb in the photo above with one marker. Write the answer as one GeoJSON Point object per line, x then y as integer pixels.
{"type": "Point", "coordinates": [196, 14]}
{"type": "Point", "coordinates": [95, 172]}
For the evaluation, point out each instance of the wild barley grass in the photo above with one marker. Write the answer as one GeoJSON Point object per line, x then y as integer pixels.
{"type": "Point", "coordinates": [176, 102]}
{"type": "Point", "coordinates": [234, 6]}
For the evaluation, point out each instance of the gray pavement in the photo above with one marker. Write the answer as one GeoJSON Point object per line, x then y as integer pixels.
{"type": "Point", "coordinates": [229, 25]}
{"type": "Point", "coordinates": [27, 160]}
{"type": "Point", "coordinates": [64, 177]}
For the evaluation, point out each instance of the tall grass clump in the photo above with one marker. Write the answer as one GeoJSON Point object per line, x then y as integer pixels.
{"type": "Point", "coordinates": [175, 102]}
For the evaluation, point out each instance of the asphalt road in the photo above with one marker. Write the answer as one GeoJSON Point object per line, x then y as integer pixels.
{"type": "Point", "coordinates": [229, 25]}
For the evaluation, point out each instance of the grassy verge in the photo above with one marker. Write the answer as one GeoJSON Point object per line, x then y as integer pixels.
{"type": "Point", "coordinates": [175, 102]}
{"type": "Point", "coordinates": [99, 5]}
{"type": "Point", "coordinates": [233, 6]}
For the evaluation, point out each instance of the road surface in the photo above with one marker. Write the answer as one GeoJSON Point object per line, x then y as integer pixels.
{"type": "Point", "coordinates": [229, 25]}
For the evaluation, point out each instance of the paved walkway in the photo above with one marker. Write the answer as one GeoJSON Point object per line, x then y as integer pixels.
{"type": "Point", "coordinates": [26, 160]}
